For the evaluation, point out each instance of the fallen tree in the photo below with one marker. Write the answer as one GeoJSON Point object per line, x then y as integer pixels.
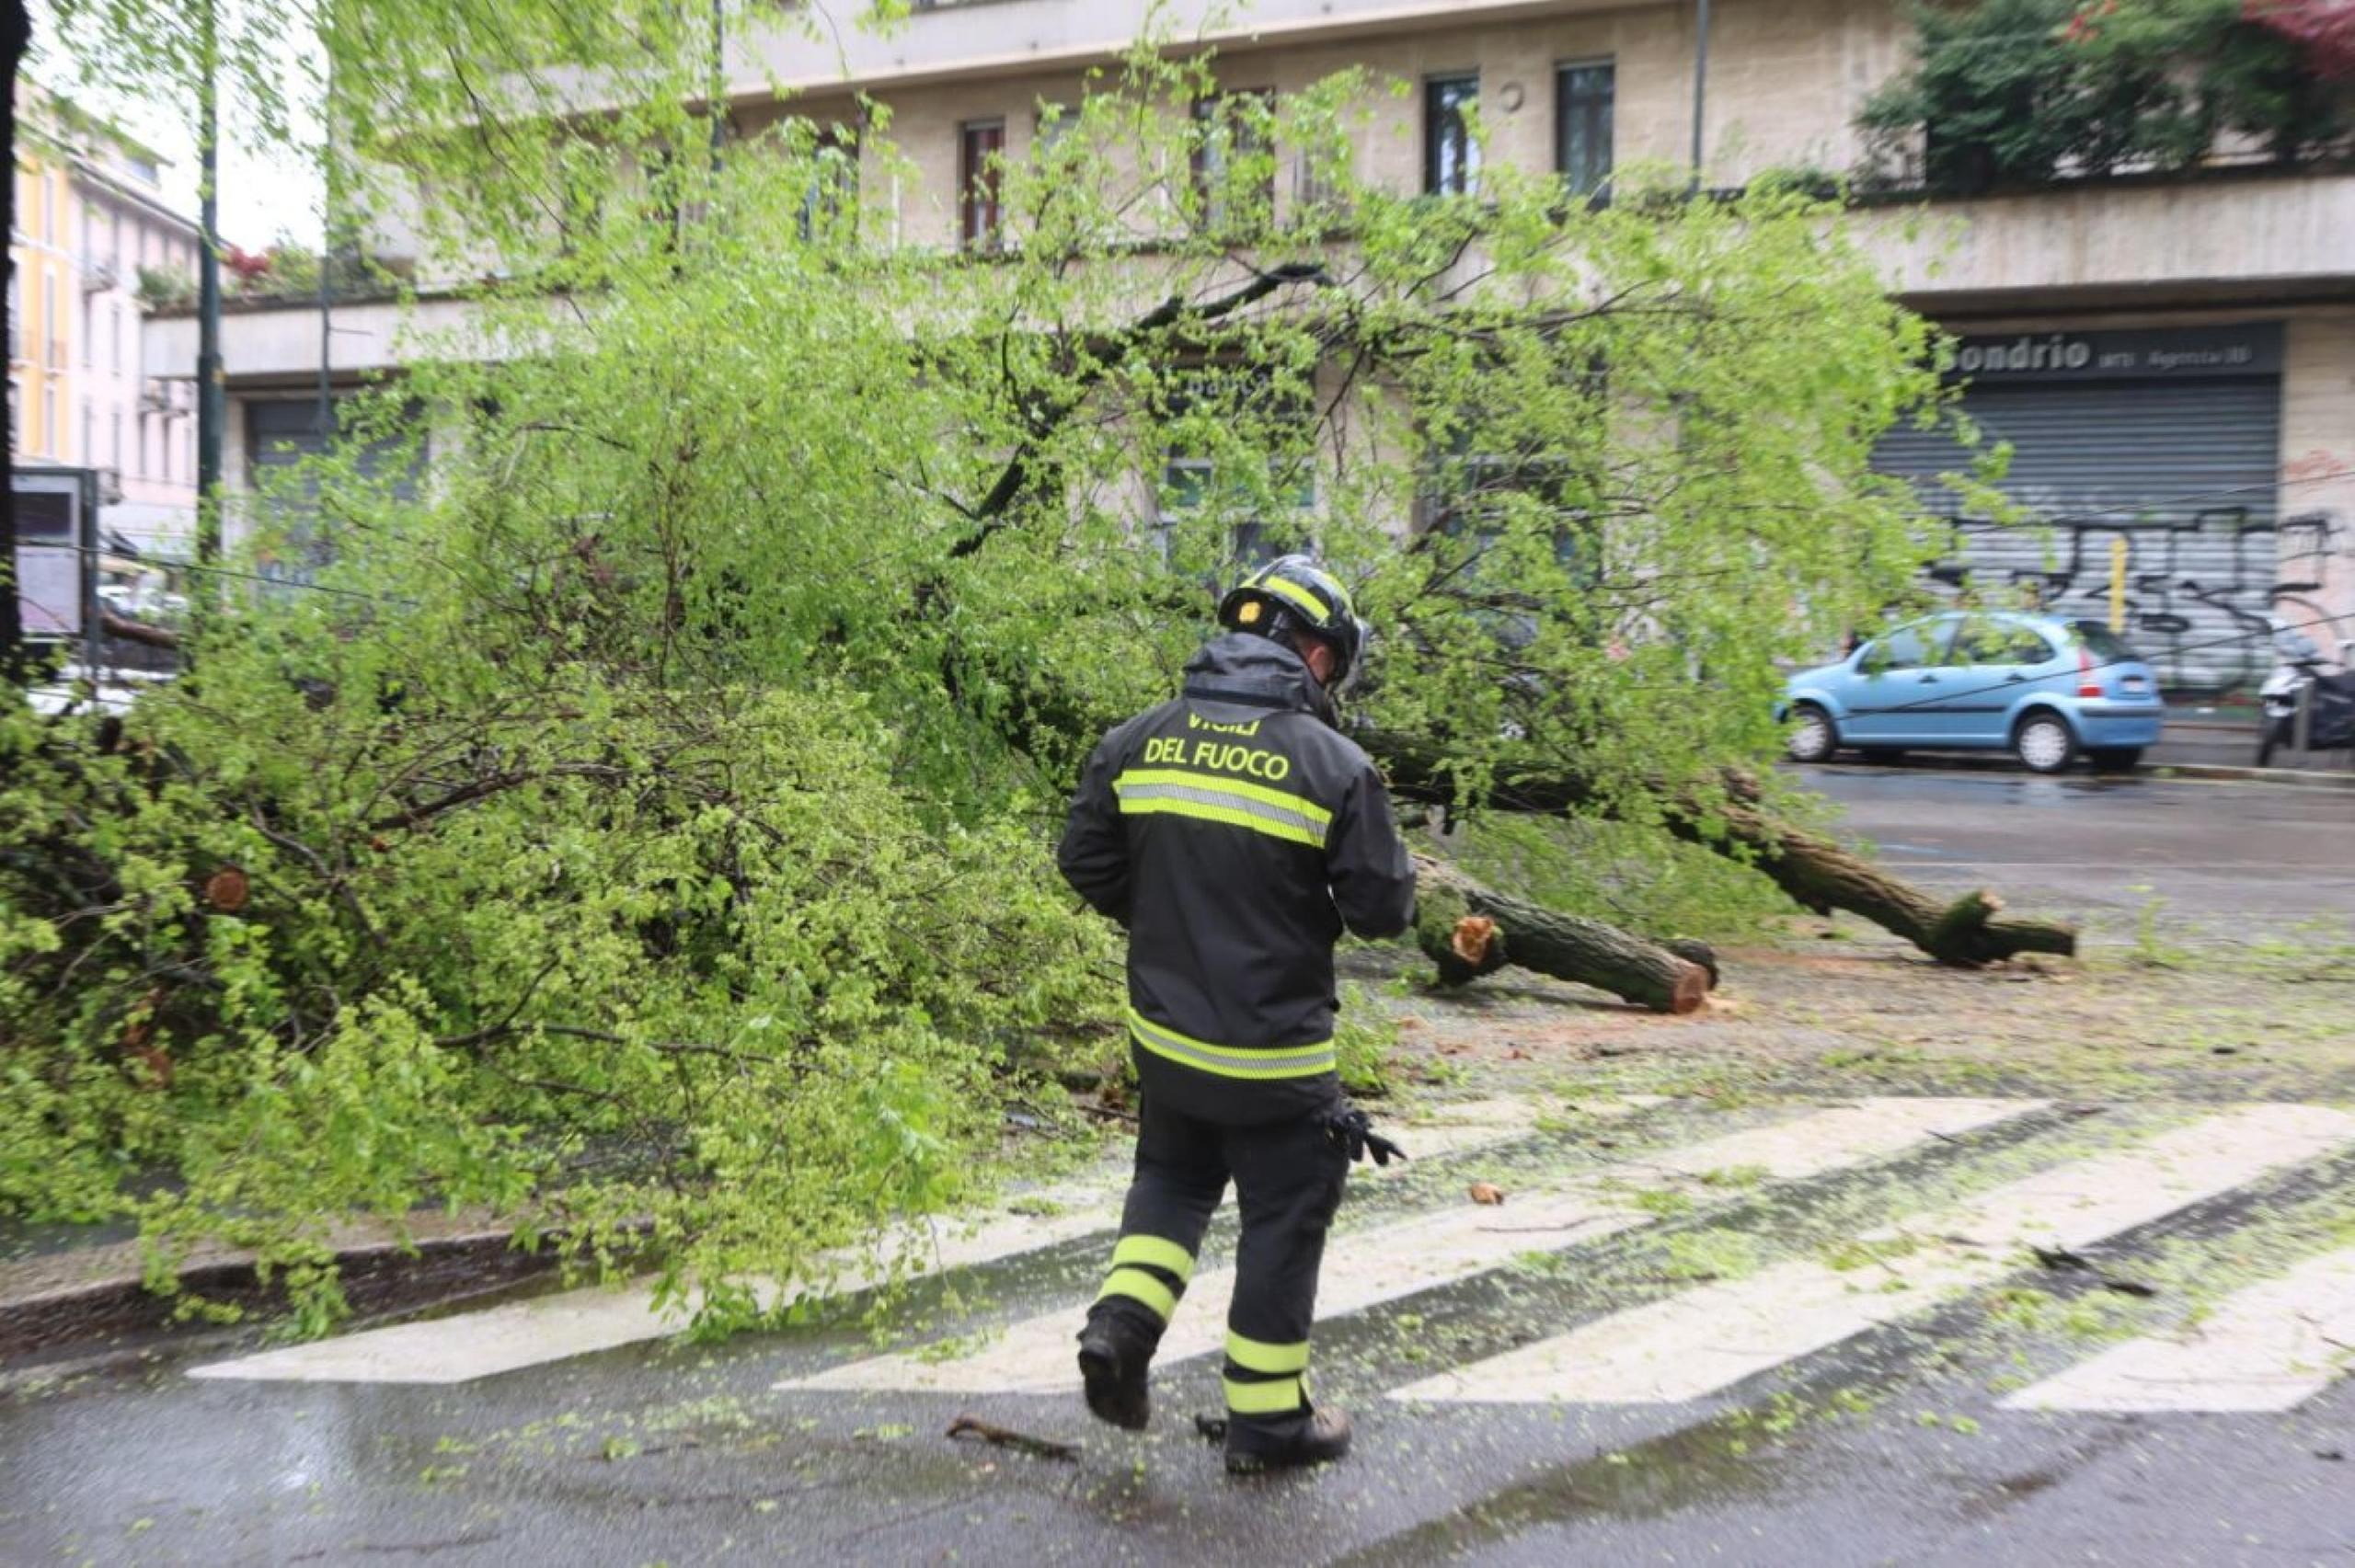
{"type": "Point", "coordinates": [638, 829]}
{"type": "Point", "coordinates": [1468, 930]}
{"type": "Point", "coordinates": [1815, 871]}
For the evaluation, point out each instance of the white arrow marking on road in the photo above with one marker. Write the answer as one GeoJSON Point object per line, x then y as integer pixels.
{"type": "Point", "coordinates": [2266, 1348]}
{"type": "Point", "coordinates": [557, 1327]}
{"type": "Point", "coordinates": [1710, 1338]}
{"type": "Point", "coordinates": [1364, 1268]}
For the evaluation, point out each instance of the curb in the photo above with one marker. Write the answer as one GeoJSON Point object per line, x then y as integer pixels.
{"type": "Point", "coordinates": [2297, 778]}
{"type": "Point", "coordinates": [378, 1278]}
{"type": "Point", "coordinates": [2156, 771]}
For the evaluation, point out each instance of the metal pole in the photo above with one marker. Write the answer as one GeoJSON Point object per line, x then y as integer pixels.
{"type": "Point", "coordinates": [325, 418]}
{"type": "Point", "coordinates": [211, 402]}
{"type": "Point", "coordinates": [1700, 84]}
{"type": "Point", "coordinates": [718, 81]}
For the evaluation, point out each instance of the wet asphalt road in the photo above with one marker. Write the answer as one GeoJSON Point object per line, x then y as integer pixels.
{"type": "Point", "coordinates": [2086, 844]}
{"type": "Point", "coordinates": [1892, 1447]}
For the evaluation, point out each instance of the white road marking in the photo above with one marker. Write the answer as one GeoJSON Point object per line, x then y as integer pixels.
{"type": "Point", "coordinates": [2266, 1348]}
{"type": "Point", "coordinates": [516, 1335]}
{"type": "Point", "coordinates": [1712, 1337]}
{"type": "Point", "coordinates": [1364, 1268]}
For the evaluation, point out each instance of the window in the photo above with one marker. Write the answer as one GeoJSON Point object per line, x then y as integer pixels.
{"type": "Point", "coordinates": [1261, 523]}
{"type": "Point", "coordinates": [833, 180]}
{"type": "Point", "coordinates": [16, 420]}
{"type": "Point", "coordinates": [89, 432]}
{"type": "Point", "coordinates": [89, 328]}
{"type": "Point", "coordinates": [49, 420]}
{"type": "Point", "coordinates": [2105, 645]}
{"type": "Point", "coordinates": [1909, 647]}
{"type": "Point", "coordinates": [1998, 642]}
{"type": "Point", "coordinates": [1582, 105]}
{"type": "Point", "coordinates": [1451, 157]}
{"type": "Point", "coordinates": [978, 177]}
{"type": "Point", "coordinates": [53, 354]}
{"type": "Point", "coordinates": [1234, 175]}
{"type": "Point", "coordinates": [139, 449]}
{"type": "Point", "coordinates": [15, 318]}
{"type": "Point", "coordinates": [121, 342]}
{"type": "Point", "coordinates": [115, 461]}
{"type": "Point", "coordinates": [1054, 124]}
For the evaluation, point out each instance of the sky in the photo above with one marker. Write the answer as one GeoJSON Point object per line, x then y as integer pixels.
{"type": "Point", "coordinates": [264, 192]}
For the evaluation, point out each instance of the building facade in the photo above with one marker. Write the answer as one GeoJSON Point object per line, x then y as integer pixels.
{"type": "Point", "coordinates": [95, 250]}
{"type": "Point", "coordinates": [2172, 357]}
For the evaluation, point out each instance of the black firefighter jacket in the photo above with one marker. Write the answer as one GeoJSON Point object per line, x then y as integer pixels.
{"type": "Point", "coordinates": [1235, 832]}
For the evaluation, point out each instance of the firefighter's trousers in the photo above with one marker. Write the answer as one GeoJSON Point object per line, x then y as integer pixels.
{"type": "Point", "coordinates": [1288, 1177]}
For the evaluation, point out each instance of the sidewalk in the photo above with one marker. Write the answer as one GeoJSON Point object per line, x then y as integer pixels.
{"type": "Point", "coordinates": [2206, 734]}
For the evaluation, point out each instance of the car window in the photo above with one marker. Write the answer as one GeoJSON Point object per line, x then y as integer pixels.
{"type": "Point", "coordinates": [2103, 643]}
{"type": "Point", "coordinates": [1908, 647]}
{"type": "Point", "coordinates": [1988, 641]}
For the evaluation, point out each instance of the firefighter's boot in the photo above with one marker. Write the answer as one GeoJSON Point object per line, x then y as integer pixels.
{"type": "Point", "coordinates": [1115, 1356]}
{"type": "Point", "coordinates": [1318, 1437]}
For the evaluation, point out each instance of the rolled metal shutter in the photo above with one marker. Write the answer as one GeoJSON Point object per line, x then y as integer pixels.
{"type": "Point", "coordinates": [2186, 472]}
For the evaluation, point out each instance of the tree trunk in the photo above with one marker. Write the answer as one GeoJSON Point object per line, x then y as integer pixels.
{"type": "Point", "coordinates": [1815, 871]}
{"type": "Point", "coordinates": [1469, 930]}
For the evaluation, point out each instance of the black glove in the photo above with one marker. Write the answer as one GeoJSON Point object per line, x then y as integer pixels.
{"type": "Point", "coordinates": [1351, 1131]}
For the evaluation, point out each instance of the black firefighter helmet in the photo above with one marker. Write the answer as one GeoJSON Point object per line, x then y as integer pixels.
{"type": "Point", "coordinates": [1294, 593]}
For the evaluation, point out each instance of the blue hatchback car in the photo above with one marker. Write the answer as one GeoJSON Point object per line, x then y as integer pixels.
{"type": "Point", "coordinates": [2046, 689]}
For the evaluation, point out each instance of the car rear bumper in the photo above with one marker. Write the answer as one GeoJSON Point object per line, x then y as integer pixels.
{"type": "Point", "coordinates": [2120, 724]}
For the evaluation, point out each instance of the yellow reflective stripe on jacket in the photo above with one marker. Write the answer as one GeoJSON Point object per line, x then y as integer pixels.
{"type": "Point", "coordinates": [1207, 798]}
{"type": "Point", "coordinates": [1157, 1253]}
{"type": "Point", "coordinates": [1139, 1285]}
{"type": "Point", "coordinates": [1259, 1356]}
{"type": "Point", "coordinates": [1232, 815]}
{"type": "Point", "coordinates": [1265, 1398]}
{"type": "Point", "coordinates": [1231, 1061]}
{"type": "Point", "coordinates": [1224, 785]}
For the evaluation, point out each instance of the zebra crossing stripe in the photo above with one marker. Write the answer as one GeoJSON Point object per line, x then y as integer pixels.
{"type": "Point", "coordinates": [1365, 1268]}
{"type": "Point", "coordinates": [1709, 1338]}
{"type": "Point", "coordinates": [2266, 1348]}
{"type": "Point", "coordinates": [516, 1335]}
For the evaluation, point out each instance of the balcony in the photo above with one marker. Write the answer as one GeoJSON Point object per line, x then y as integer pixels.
{"type": "Point", "coordinates": [2220, 239]}
{"type": "Point", "coordinates": [276, 342]}
{"type": "Point", "coordinates": [99, 274]}
{"type": "Point", "coordinates": [972, 38]}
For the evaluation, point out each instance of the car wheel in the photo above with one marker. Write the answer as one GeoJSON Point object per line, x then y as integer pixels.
{"type": "Point", "coordinates": [1813, 738]}
{"type": "Point", "coordinates": [2045, 743]}
{"type": "Point", "coordinates": [2116, 759]}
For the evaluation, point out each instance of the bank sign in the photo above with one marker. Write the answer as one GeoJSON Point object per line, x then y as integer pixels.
{"type": "Point", "coordinates": [2180, 354]}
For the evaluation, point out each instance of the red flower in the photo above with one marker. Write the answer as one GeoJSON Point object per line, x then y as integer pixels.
{"type": "Point", "coordinates": [246, 264]}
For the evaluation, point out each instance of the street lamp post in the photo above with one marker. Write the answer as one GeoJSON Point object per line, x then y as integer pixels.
{"type": "Point", "coordinates": [211, 402]}
{"type": "Point", "coordinates": [1700, 84]}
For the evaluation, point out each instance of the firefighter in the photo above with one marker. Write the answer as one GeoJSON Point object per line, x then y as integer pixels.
{"type": "Point", "coordinates": [1234, 832]}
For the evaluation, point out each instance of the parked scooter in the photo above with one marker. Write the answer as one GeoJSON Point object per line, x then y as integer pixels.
{"type": "Point", "coordinates": [2297, 670]}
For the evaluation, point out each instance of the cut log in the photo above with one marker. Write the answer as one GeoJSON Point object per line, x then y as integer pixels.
{"type": "Point", "coordinates": [1816, 873]}
{"type": "Point", "coordinates": [1469, 931]}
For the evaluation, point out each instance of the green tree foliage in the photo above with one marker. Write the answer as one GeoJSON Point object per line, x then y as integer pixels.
{"type": "Point", "coordinates": [2024, 92]}
{"type": "Point", "coordinates": [641, 829]}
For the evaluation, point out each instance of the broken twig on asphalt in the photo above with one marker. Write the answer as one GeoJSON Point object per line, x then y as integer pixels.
{"type": "Point", "coordinates": [1005, 1437]}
